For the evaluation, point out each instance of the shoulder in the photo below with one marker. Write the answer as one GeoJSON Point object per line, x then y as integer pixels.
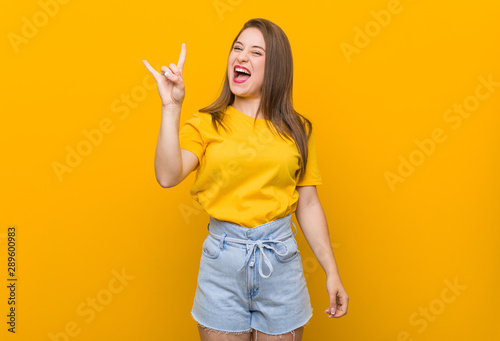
{"type": "Point", "coordinates": [198, 115]}
{"type": "Point", "coordinates": [198, 119]}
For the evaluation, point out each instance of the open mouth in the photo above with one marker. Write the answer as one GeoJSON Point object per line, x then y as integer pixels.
{"type": "Point", "coordinates": [241, 74]}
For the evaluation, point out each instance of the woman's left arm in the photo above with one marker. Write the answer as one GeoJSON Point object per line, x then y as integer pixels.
{"type": "Point", "coordinates": [312, 221]}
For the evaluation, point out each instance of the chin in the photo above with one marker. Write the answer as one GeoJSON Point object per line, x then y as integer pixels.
{"type": "Point", "coordinates": [237, 92]}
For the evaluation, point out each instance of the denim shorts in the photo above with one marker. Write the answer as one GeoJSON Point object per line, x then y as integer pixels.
{"type": "Point", "coordinates": [251, 279]}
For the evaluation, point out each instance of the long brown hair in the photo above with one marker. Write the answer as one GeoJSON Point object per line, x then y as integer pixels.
{"type": "Point", "coordinates": [276, 102]}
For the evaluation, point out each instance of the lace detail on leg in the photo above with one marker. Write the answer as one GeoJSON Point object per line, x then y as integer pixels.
{"type": "Point", "coordinates": [209, 330]}
{"type": "Point", "coordinates": [274, 337]}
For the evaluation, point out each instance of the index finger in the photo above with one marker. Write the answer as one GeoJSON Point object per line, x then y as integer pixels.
{"type": "Point", "coordinates": [151, 69]}
{"type": "Point", "coordinates": [182, 57]}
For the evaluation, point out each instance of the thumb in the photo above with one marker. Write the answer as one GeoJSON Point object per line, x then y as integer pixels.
{"type": "Point", "coordinates": [176, 79]}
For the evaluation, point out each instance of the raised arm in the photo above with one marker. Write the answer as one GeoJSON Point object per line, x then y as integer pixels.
{"type": "Point", "coordinates": [172, 164]}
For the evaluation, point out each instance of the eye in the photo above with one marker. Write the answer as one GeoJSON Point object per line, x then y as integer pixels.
{"type": "Point", "coordinates": [260, 54]}
{"type": "Point", "coordinates": [237, 47]}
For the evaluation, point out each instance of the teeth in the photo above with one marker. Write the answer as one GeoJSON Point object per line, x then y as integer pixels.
{"type": "Point", "coordinates": [242, 70]}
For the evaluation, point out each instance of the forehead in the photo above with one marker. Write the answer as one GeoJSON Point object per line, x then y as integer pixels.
{"type": "Point", "coordinates": [252, 36]}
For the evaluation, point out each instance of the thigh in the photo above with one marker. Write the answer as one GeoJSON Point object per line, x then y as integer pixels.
{"type": "Point", "coordinates": [295, 335]}
{"type": "Point", "coordinates": [213, 335]}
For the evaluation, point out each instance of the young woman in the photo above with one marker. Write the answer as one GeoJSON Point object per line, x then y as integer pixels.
{"type": "Point", "coordinates": [256, 164]}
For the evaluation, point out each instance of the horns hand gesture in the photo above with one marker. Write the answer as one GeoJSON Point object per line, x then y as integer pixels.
{"type": "Point", "coordinates": [169, 82]}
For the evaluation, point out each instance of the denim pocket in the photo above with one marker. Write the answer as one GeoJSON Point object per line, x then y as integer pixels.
{"type": "Point", "coordinates": [210, 247]}
{"type": "Point", "coordinates": [291, 246]}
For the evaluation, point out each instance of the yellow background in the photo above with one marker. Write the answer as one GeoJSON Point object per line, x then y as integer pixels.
{"type": "Point", "coordinates": [396, 247]}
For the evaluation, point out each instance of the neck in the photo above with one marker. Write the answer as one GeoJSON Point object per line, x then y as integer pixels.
{"type": "Point", "coordinates": [248, 106]}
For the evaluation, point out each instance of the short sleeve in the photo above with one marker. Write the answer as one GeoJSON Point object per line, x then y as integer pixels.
{"type": "Point", "coordinates": [190, 136]}
{"type": "Point", "coordinates": [312, 175]}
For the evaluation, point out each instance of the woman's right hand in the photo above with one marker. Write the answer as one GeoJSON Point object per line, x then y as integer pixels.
{"type": "Point", "coordinates": [170, 83]}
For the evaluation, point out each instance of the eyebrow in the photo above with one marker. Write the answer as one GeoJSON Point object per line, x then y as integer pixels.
{"type": "Point", "coordinates": [260, 47]}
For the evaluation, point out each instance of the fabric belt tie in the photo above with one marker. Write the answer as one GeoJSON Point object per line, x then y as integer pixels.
{"type": "Point", "coordinates": [253, 245]}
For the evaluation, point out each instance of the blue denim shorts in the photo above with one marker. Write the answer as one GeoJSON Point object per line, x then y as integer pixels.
{"type": "Point", "coordinates": [251, 279]}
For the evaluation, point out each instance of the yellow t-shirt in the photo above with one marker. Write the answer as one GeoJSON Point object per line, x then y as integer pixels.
{"type": "Point", "coordinates": [247, 175]}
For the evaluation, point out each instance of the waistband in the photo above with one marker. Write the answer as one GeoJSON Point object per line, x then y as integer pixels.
{"type": "Point", "coordinates": [269, 235]}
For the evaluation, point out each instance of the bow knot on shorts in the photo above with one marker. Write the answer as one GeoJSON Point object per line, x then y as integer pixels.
{"type": "Point", "coordinates": [252, 246]}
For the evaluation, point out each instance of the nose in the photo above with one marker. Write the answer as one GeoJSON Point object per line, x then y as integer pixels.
{"type": "Point", "coordinates": [242, 56]}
